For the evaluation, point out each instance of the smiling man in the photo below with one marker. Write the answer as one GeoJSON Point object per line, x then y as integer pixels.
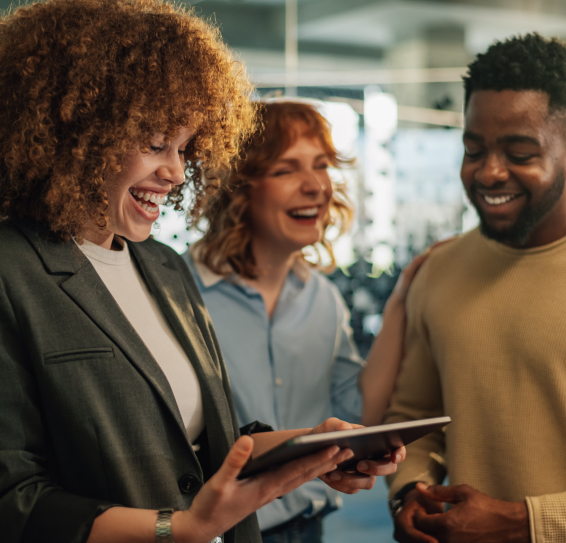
{"type": "Point", "coordinates": [513, 167]}
{"type": "Point", "coordinates": [486, 337]}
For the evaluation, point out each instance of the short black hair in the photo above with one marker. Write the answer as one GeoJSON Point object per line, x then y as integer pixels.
{"type": "Point", "coordinates": [521, 63]}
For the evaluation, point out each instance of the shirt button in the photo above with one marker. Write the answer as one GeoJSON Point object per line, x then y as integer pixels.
{"type": "Point", "coordinates": [278, 381]}
{"type": "Point", "coordinates": [187, 483]}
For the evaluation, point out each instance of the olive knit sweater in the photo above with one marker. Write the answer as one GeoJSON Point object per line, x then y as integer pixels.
{"type": "Point", "coordinates": [486, 344]}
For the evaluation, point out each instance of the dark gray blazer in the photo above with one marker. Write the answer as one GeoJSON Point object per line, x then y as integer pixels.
{"type": "Point", "coordinates": [87, 418]}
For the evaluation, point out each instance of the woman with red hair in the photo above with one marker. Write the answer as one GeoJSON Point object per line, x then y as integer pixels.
{"type": "Point", "coordinates": [282, 325]}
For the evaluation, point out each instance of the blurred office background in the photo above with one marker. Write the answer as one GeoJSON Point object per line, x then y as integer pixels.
{"type": "Point", "coordinates": [388, 76]}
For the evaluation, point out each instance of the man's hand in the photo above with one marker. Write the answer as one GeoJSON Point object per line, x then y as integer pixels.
{"type": "Point", "coordinates": [414, 504]}
{"type": "Point", "coordinates": [473, 517]}
{"type": "Point", "coordinates": [410, 270]}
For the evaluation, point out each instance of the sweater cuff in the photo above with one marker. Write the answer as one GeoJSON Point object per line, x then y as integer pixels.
{"type": "Point", "coordinates": [547, 518]}
{"type": "Point", "coordinates": [532, 523]}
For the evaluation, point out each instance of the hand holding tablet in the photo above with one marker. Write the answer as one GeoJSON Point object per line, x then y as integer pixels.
{"type": "Point", "coordinates": [371, 443]}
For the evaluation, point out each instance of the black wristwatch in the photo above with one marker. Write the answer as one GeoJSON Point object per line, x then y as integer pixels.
{"type": "Point", "coordinates": [396, 502]}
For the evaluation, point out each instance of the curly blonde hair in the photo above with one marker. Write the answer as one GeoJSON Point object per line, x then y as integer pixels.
{"type": "Point", "coordinates": [227, 243]}
{"type": "Point", "coordinates": [82, 82]}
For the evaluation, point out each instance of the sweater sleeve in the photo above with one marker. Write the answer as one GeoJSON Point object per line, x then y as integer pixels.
{"type": "Point", "coordinates": [418, 395]}
{"type": "Point", "coordinates": [547, 518]}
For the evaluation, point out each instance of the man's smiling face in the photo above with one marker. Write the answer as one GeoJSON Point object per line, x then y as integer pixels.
{"type": "Point", "coordinates": [513, 166]}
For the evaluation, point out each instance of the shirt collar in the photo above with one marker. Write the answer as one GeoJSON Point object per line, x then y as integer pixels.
{"type": "Point", "coordinates": [300, 268]}
{"type": "Point", "coordinates": [207, 276]}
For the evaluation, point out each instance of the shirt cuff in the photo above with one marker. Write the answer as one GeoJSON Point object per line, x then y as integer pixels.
{"type": "Point", "coordinates": [255, 427]}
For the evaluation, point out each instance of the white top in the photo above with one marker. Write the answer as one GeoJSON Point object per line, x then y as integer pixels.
{"type": "Point", "coordinates": [126, 285]}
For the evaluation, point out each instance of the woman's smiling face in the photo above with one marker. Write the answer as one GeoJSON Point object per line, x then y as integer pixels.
{"type": "Point", "coordinates": [135, 194]}
{"type": "Point", "coordinates": [290, 203]}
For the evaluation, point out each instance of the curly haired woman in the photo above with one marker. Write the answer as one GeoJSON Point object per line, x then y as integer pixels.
{"type": "Point", "coordinates": [116, 417]}
{"type": "Point", "coordinates": [282, 326]}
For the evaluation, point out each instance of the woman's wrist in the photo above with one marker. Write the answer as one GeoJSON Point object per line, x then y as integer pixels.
{"type": "Point", "coordinates": [185, 528]}
{"type": "Point", "coordinates": [176, 522]}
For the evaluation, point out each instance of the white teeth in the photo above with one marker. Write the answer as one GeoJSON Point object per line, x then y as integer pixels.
{"type": "Point", "coordinates": [148, 208]}
{"type": "Point", "coordinates": [498, 200]}
{"type": "Point", "coordinates": [307, 212]}
{"type": "Point", "coordinates": [152, 197]}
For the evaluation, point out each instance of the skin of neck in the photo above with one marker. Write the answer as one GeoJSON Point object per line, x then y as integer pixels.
{"type": "Point", "coordinates": [273, 266]}
{"type": "Point", "coordinates": [104, 238]}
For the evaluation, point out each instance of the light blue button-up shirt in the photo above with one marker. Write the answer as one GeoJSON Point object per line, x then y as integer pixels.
{"type": "Point", "coordinates": [291, 371]}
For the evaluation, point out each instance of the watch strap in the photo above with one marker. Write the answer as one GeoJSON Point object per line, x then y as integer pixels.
{"type": "Point", "coordinates": [163, 532]}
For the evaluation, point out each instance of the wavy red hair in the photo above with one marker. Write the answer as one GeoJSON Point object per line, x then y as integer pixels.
{"type": "Point", "coordinates": [227, 241]}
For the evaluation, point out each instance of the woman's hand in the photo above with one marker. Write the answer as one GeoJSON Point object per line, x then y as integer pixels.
{"type": "Point", "coordinates": [410, 270]}
{"type": "Point", "coordinates": [367, 470]}
{"type": "Point", "coordinates": [224, 500]}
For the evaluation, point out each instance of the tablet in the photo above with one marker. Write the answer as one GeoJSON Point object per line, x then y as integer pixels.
{"type": "Point", "coordinates": [373, 442]}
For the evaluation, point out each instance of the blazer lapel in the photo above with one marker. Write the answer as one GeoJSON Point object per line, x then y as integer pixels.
{"type": "Point", "coordinates": [87, 290]}
{"type": "Point", "coordinates": [167, 286]}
